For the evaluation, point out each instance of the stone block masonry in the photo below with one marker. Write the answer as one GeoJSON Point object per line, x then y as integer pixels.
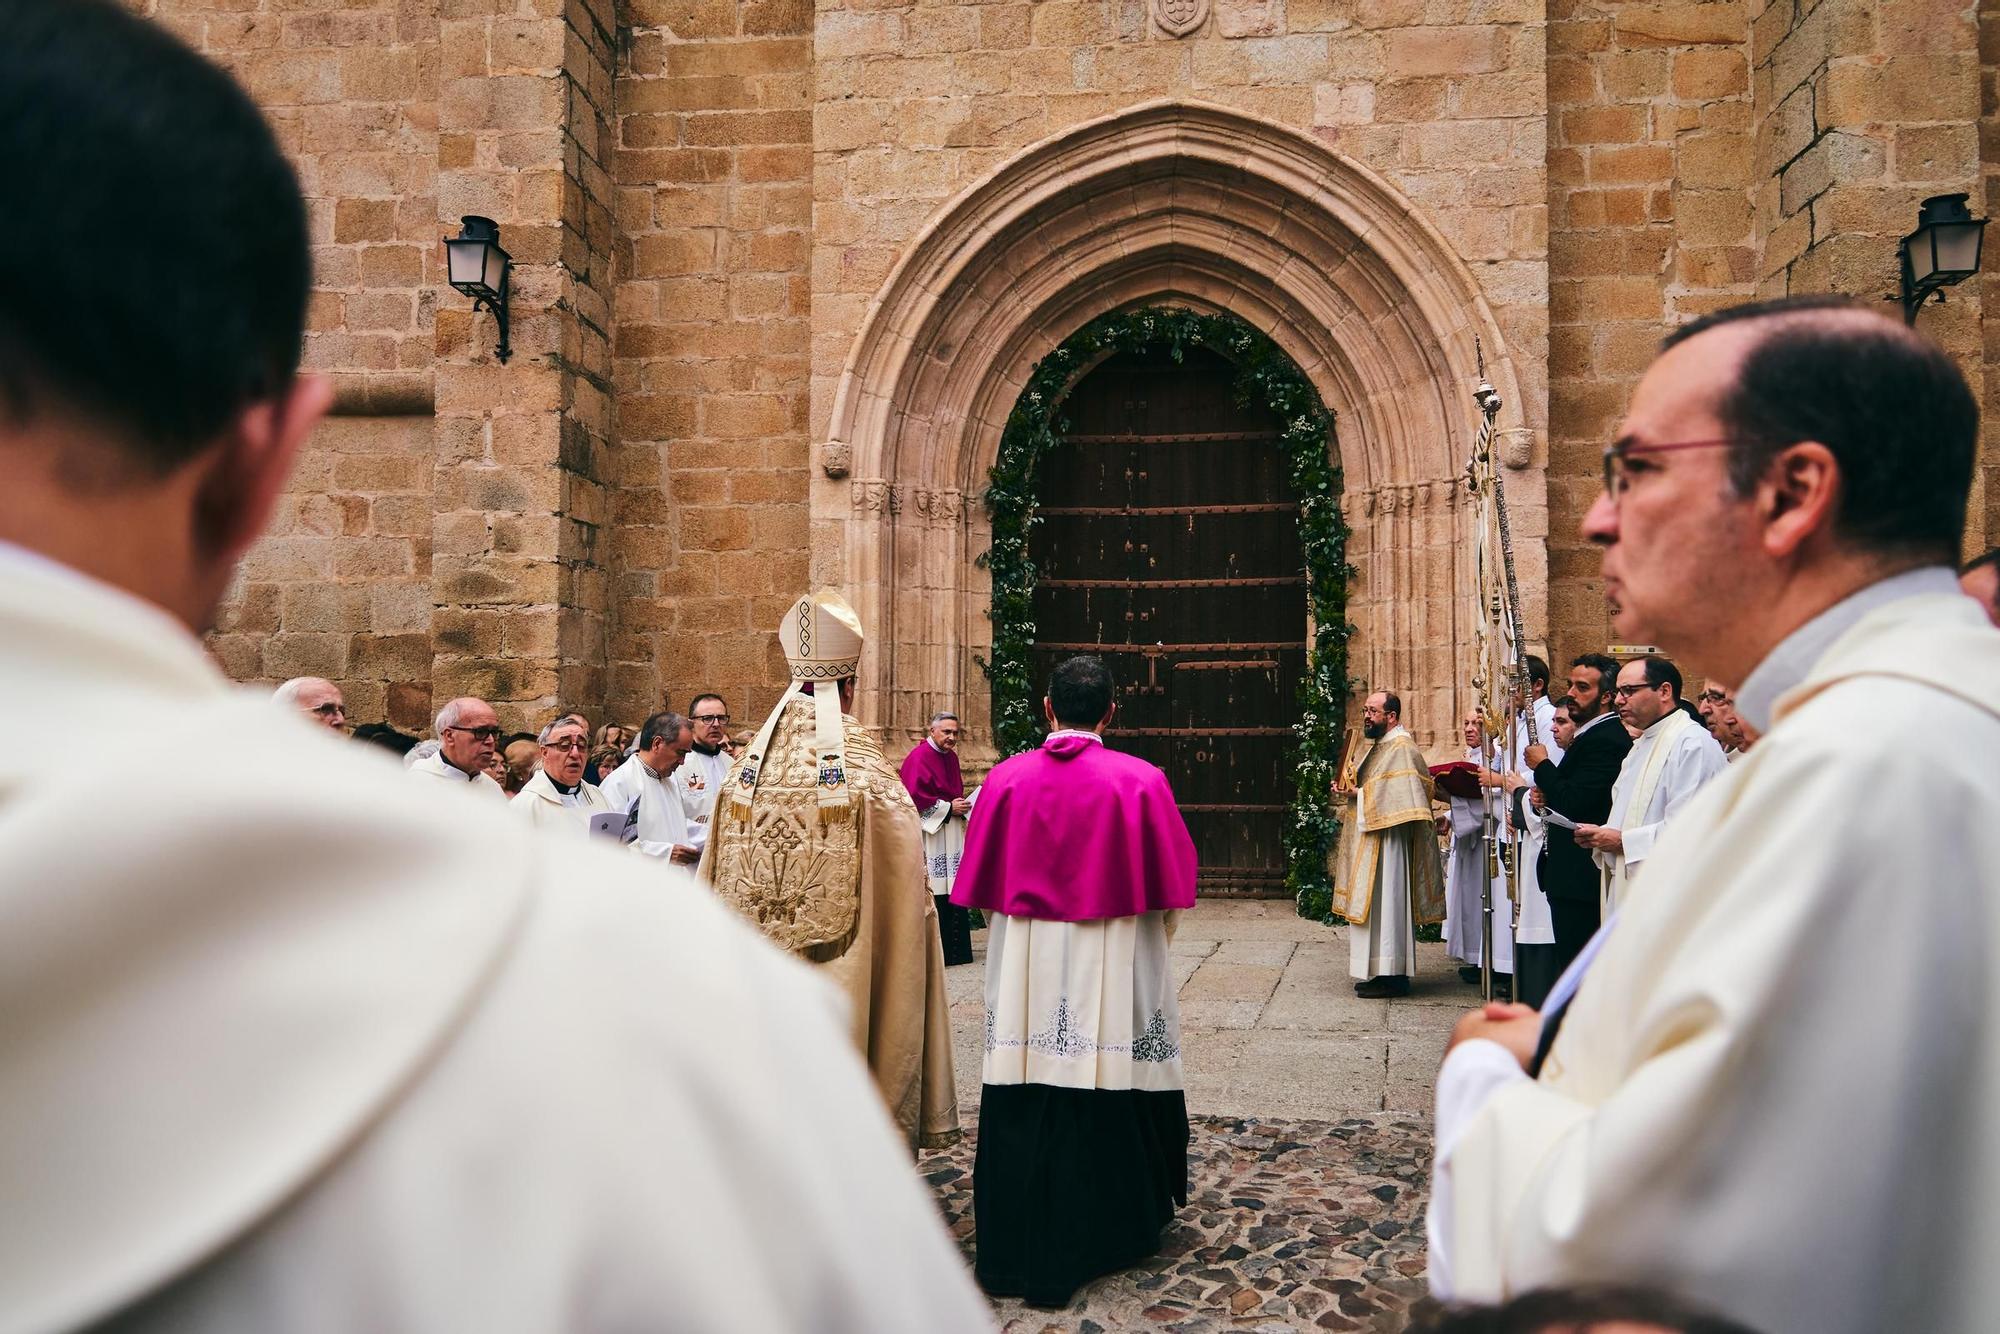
{"type": "Point", "coordinates": [708, 203]}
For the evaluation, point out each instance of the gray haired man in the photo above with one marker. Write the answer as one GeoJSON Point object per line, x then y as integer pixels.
{"type": "Point", "coordinates": [466, 730]}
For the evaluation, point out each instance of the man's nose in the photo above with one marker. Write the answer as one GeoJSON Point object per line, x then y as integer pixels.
{"type": "Point", "coordinates": [1600, 522]}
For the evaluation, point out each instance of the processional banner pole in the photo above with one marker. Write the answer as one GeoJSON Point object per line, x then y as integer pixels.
{"type": "Point", "coordinates": [1501, 683]}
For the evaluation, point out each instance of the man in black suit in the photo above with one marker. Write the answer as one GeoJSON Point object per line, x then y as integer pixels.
{"type": "Point", "coordinates": [1580, 789]}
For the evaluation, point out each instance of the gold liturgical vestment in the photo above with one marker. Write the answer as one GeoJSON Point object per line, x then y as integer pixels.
{"type": "Point", "coordinates": [847, 893]}
{"type": "Point", "coordinates": [1395, 791]}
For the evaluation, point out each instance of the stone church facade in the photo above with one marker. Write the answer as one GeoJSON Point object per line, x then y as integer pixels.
{"type": "Point", "coordinates": [781, 271]}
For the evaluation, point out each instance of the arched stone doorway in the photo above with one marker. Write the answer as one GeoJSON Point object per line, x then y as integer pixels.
{"type": "Point", "coordinates": [1189, 205]}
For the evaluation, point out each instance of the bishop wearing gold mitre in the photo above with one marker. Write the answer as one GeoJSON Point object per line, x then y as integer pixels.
{"type": "Point", "coordinates": [816, 841]}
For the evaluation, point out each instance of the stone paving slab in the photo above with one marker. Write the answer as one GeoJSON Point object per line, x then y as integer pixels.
{"type": "Point", "coordinates": [1311, 1136]}
{"type": "Point", "coordinates": [1290, 1226]}
{"type": "Point", "coordinates": [1249, 973]}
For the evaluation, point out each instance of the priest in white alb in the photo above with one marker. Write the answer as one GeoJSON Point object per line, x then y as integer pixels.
{"type": "Point", "coordinates": [643, 787]}
{"type": "Point", "coordinates": [557, 797]}
{"type": "Point", "coordinates": [1768, 1086]}
{"type": "Point", "coordinates": [1387, 876]}
{"type": "Point", "coordinates": [1467, 901]}
{"type": "Point", "coordinates": [1668, 763]}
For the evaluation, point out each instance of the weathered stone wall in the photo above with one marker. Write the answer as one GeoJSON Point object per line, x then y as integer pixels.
{"type": "Point", "coordinates": [1866, 109]}
{"type": "Point", "coordinates": [1650, 145]}
{"type": "Point", "coordinates": [341, 587]}
{"type": "Point", "coordinates": [714, 202]}
{"type": "Point", "coordinates": [708, 203]}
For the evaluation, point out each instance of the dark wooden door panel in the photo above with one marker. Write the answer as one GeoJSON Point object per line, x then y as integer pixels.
{"type": "Point", "coordinates": [1167, 542]}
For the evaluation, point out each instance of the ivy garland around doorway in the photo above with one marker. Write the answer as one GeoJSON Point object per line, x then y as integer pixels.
{"type": "Point", "coordinates": [1264, 374]}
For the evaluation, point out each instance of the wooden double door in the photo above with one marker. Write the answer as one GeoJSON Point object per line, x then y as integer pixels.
{"type": "Point", "coordinates": [1168, 543]}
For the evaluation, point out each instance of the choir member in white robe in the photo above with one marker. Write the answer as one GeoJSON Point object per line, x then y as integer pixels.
{"type": "Point", "coordinates": [699, 780]}
{"type": "Point", "coordinates": [1465, 873]}
{"type": "Point", "coordinates": [1773, 1088]}
{"type": "Point", "coordinates": [466, 730]}
{"type": "Point", "coordinates": [296, 1044]}
{"type": "Point", "coordinates": [643, 788]}
{"type": "Point", "coordinates": [557, 797]}
{"type": "Point", "coordinates": [1534, 932]}
{"type": "Point", "coordinates": [1668, 763]}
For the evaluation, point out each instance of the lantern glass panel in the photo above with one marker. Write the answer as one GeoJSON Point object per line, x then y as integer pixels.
{"type": "Point", "coordinates": [1923, 258]}
{"type": "Point", "coordinates": [465, 261]}
{"type": "Point", "coordinates": [496, 267]}
{"type": "Point", "coordinates": [1958, 248]}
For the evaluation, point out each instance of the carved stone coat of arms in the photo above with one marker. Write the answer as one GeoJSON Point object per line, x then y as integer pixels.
{"type": "Point", "coordinates": [1178, 18]}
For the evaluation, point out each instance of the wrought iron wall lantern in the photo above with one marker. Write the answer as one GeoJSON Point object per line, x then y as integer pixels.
{"type": "Point", "coordinates": [477, 266]}
{"type": "Point", "coordinates": [1943, 250]}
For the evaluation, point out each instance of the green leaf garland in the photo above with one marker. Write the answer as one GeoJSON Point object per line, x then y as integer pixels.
{"type": "Point", "coordinates": [1264, 375]}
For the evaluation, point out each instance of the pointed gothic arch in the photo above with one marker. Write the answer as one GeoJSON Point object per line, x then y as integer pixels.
{"type": "Point", "coordinates": [1185, 204]}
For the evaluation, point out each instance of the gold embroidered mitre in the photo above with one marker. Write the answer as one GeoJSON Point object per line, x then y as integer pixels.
{"type": "Point", "coordinates": [821, 636]}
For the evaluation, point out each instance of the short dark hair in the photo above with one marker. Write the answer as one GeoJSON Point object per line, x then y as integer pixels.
{"type": "Point", "coordinates": [1080, 690]}
{"type": "Point", "coordinates": [1661, 672]}
{"type": "Point", "coordinates": [662, 726]}
{"type": "Point", "coordinates": [385, 736]}
{"type": "Point", "coordinates": [695, 703]}
{"type": "Point", "coordinates": [111, 127]}
{"type": "Point", "coordinates": [1576, 1308]}
{"type": "Point", "coordinates": [1566, 704]}
{"type": "Point", "coordinates": [1605, 667]}
{"type": "Point", "coordinates": [512, 737]}
{"type": "Point", "coordinates": [1892, 407]}
{"type": "Point", "coordinates": [1392, 703]}
{"type": "Point", "coordinates": [1538, 672]}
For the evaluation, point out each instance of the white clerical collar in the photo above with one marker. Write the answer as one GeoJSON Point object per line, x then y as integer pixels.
{"type": "Point", "coordinates": [1789, 663]}
{"type": "Point", "coordinates": [1076, 731]}
{"type": "Point", "coordinates": [932, 743]}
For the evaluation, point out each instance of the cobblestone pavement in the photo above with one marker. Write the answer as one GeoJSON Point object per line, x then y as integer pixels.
{"type": "Point", "coordinates": [1310, 1158]}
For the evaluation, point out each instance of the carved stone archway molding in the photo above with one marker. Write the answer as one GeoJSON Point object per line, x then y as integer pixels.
{"type": "Point", "coordinates": [1166, 203]}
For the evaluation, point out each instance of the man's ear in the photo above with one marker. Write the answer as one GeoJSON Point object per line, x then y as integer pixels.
{"type": "Point", "coordinates": [1049, 712]}
{"type": "Point", "coordinates": [1798, 496]}
{"type": "Point", "coordinates": [242, 482]}
{"type": "Point", "coordinates": [1105, 721]}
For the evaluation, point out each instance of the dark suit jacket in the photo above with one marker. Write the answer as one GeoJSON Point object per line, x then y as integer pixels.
{"type": "Point", "coordinates": [1579, 787]}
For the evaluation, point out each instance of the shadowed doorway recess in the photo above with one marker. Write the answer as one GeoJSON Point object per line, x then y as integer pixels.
{"type": "Point", "coordinates": [1150, 507]}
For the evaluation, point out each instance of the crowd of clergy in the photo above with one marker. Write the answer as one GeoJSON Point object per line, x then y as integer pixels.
{"type": "Point", "coordinates": [641, 1028]}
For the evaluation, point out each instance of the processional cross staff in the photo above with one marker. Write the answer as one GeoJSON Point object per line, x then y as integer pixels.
{"type": "Point", "coordinates": [1500, 681]}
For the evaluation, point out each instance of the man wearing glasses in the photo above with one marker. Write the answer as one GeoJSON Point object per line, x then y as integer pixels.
{"type": "Point", "coordinates": [1773, 1086]}
{"type": "Point", "coordinates": [1670, 759]}
{"type": "Point", "coordinates": [701, 774]}
{"type": "Point", "coordinates": [317, 698]}
{"type": "Point", "coordinates": [557, 797]}
{"type": "Point", "coordinates": [466, 730]}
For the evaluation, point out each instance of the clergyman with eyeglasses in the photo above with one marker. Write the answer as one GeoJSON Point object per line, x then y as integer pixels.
{"type": "Point", "coordinates": [466, 731]}
{"type": "Point", "coordinates": [1672, 756]}
{"type": "Point", "coordinates": [317, 698]}
{"type": "Point", "coordinates": [557, 797]}
{"type": "Point", "coordinates": [1770, 1084]}
{"type": "Point", "coordinates": [700, 776]}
